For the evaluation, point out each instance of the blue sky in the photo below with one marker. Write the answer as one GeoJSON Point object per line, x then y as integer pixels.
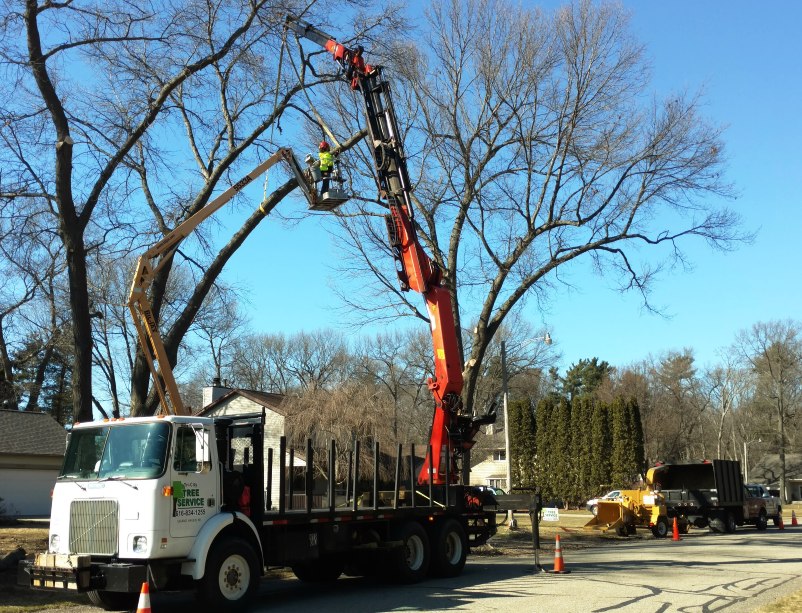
{"type": "Point", "coordinates": [744, 56]}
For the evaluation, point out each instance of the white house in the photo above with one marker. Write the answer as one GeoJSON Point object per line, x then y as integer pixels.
{"type": "Point", "coordinates": [492, 470]}
{"type": "Point", "coordinates": [767, 471]}
{"type": "Point", "coordinates": [221, 401]}
{"type": "Point", "coordinates": [32, 449]}
{"type": "Point", "coordinates": [492, 467]}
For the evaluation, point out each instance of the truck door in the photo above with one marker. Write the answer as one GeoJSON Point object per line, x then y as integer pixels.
{"type": "Point", "coordinates": [194, 479]}
{"type": "Point", "coordinates": [752, 502]}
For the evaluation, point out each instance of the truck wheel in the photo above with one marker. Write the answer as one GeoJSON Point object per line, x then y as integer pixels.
{"type": "Point", "coordinates": [409, 563]}
{"type": "Point", "coordinates": [729, 523]}
{"type": "Point", "coordinates": [322, 570]}
{"type": "Point", "coordinates": [660, 529]}
{"type": "Point", "coordinates": [594, 510]}
{"type": "Point", "coordinates": [113, 601]}
{"type": "Point", "coordinates": [231, 578]}
{"type": "Point", "coordinates": [762, 521]}
{"type": "Point", "coordinates": [449, 549]}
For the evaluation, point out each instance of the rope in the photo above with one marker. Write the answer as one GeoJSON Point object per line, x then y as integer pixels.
{"type": "Point", "coordinates": [278, 81]}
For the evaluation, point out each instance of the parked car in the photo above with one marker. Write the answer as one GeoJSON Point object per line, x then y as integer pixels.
{"type": "Point", "coordinates": [496, 491]}
{"type": "Point", "coordinates": [593, 504]}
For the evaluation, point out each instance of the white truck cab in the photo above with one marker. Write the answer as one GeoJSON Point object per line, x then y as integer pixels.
{"type": "Point", "coordinates": [143, 499]}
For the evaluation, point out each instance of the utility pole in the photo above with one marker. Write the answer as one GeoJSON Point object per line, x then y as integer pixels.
{"type": "Point", "coordinates": [505, 404]}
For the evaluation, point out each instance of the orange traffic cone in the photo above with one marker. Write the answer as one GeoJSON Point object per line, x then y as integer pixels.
{"type": "Point", "coordinates": [559, 565]}
{"type": "Point", "coordinates": [793, 518]}
{"type": "Point", "coordinates": [144, 599]}
{"type": "Point", "coordinates": [780, 525]}
{"type": "Point", "coordinates": [676, 531]}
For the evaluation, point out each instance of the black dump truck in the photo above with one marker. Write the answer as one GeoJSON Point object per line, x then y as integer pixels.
{"type": "Point", "coordinates": [707, 494]}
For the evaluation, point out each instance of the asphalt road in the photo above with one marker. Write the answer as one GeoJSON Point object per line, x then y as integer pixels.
{"type": "Point", "coordinates": [703, 572]}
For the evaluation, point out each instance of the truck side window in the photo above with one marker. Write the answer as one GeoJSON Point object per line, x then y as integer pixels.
{"type": "Point", "coordinates": [185, 460]}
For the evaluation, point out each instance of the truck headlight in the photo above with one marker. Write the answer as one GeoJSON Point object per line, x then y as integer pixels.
{"type": "Point", "coordinates": [140, 544]}
{"type": "Point", "coordinates": [55, 541]}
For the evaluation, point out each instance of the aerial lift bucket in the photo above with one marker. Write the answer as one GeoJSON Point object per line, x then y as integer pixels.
{"type": "Point", "coordinates": [311, 177]}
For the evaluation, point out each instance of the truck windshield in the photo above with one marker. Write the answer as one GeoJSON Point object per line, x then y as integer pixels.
{"type": "Point", "coordinates": [135, 451]}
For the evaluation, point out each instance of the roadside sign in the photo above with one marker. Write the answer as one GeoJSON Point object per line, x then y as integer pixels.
{"type": "Point", "coordinates": [551, 514]}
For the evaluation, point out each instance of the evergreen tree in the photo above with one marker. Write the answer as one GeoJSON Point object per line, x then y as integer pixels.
{"type": "Point", "coordinates": [627, 442]}
{"type": "Point", "coordinates": [523, 443]}
{"type": "Point", "coordinates": [581, 448]}
{"type": "Point", "coordinates": [44, 379]}
{"type": "Point", "coordinates": [636, 429]}
{"type": "Point", "coordinates": [545, 446]}
{"type": "Point", "coordinates": [620, 460]}
{"type": "Point", "coordinates": [601, 445]}
{"type": "Point", "coordinates": [564, 464]}
{"type": "Point", "coordinates": [584, 377]}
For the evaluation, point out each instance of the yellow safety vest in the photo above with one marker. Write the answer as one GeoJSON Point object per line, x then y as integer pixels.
{"type": "Point", "coordinates": [326, 161]}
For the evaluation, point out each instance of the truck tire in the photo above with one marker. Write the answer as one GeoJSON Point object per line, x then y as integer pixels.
{"type": "Point", "coordinates": [322, 570]}
{"type": "Point", "coordinates": [231, 578]}
{"type": "Point", "coordinates": [729, 523]}
{"type": "Point", "coordinates": [660, 528]}
{"type": "Point", "coordinates": [113, 601]}
{"type": "Point", "coordinates": [762, 521]}
{"type": "Point", "coordinates": [449, 546]}
{"type": "Point", "coordinates": [594, 510]}
{"type": "Point", "coordinates": [409, 563]}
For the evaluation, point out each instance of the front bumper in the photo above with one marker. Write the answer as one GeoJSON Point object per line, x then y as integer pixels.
{"type": "Point", "coordinates": [78, 573]}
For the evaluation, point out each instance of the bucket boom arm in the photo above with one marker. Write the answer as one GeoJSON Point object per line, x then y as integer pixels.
{"type": "Point", "coordinates": [154, 259]}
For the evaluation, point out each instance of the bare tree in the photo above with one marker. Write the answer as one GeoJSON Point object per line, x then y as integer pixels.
{"type": "Point", "coordinates": [290, 364]}
{"type": "Point", "coordinates": [726, 386]}
{"type": "Point", "coordinates": [532, 145]}
{"type": "Point", "coordinates": [773, 351]}
{"type": "Point", "coordinates": [257, 363]}
{"type": "Point", "coordinates": [32, 318]}
{"type": "Point", "coordinates": [79, 147]}
{"type": "Point", "coordinates": [76, 121]}
{"type": "Point", "coordinates": [219, 324]}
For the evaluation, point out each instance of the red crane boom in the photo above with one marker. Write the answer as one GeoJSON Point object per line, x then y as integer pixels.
{"type": "Point", "coordinates": [452, 432]}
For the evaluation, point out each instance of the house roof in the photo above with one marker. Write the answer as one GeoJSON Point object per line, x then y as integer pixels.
{"type": "Point", "coordinates": [269, 401]}
{"type": "Point", "coordinates": [767, 470]}
{"type": "Point", "coordinates": [29, 433]}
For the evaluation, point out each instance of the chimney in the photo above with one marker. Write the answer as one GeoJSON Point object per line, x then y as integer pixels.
{"type": "Point", "coordinates": [214, 391]}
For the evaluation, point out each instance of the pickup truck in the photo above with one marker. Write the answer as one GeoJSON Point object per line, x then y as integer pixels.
{"type": "Point", "coordinates": [760, 496]}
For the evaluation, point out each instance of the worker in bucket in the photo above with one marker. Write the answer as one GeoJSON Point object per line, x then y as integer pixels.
{"type": "Point", "coordinates": [326, 158]}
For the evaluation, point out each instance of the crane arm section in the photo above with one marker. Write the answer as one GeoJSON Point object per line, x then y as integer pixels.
{"type": "Point", "coordinates": [155, 258]}
{"type": "Point", "coordinates": [452, 432]}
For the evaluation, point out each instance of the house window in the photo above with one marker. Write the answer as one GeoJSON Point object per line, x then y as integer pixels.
{"type": "Point", "coordinates": [500, 455]}
{"type": "Point", "coordinates": [499, 483]}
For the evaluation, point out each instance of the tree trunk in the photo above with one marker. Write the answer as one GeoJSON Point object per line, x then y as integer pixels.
{"type": "Point", "coordinates": [39, 379]}
{"type": "Point", "coordinates": [8, 395]}
{"type": "Point", "coordinates": [81, 325]}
